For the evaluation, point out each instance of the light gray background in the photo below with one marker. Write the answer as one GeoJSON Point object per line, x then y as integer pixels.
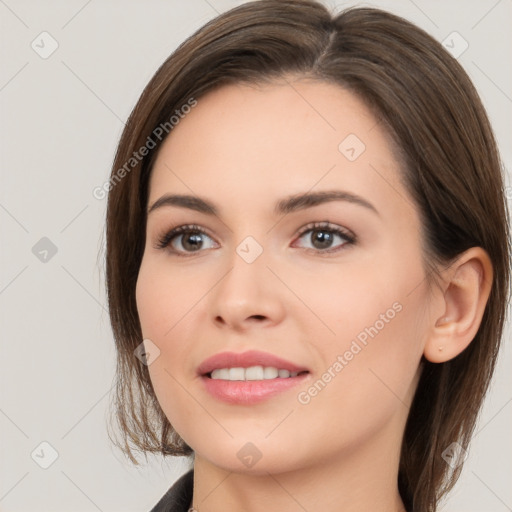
{"type": "Point", "coordinates": [61, 118]}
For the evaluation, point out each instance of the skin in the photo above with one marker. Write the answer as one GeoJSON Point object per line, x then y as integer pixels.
{"type": "Point", "coordinates": [243, 148]}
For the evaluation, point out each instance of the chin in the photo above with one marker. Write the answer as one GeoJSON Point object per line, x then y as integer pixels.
{"type": "Point", "coordinates": [242, 456]}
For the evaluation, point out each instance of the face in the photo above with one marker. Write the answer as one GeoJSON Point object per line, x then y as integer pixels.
{"type": "Point", "coordinates": [316, 304]}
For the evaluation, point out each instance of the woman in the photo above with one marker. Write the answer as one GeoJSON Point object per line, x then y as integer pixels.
{"type": "Point", "coordinates": [307, 263]}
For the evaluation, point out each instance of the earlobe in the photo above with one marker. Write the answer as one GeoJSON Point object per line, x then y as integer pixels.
{"type": "Point", "coordinates": [467, 285]}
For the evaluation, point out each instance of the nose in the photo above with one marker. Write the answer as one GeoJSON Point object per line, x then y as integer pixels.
{"type": "Point", "coordinates": [249, 295]}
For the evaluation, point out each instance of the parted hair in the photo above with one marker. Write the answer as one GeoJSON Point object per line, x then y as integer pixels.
{"type": "Point", "coordinates": [450, 166]}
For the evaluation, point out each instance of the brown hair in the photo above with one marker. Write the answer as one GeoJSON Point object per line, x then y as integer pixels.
{"type": "Point", "coordinates": [451, 168]}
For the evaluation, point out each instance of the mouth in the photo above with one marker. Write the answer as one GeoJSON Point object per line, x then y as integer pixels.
{"type": "Point", "coordinates": [252, 373]}
{"type": "Point", "coordinates": [249, 377]}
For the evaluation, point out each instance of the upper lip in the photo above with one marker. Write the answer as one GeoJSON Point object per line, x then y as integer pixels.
{"type": "Point", "coordinates": [246, 360]}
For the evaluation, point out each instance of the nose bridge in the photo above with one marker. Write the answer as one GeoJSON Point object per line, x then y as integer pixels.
{"type": "Point", "coordinates": [248, 272]}
{"type": "Point", "coordinates": [247, 290]}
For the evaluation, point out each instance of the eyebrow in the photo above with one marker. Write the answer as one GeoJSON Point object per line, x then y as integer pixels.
{"type": "Point", "coordinates": [284, 206]}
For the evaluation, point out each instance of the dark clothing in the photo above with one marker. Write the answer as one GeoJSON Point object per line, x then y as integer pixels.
{"type": "Point", "coordinates": [179, 497]}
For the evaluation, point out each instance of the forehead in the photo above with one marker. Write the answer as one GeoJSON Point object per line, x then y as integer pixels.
{"type": "Point", "coordinates": [247, 143]}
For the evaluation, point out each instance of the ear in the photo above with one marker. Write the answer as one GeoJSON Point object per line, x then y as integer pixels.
{"type": "Point", "coordinates": [465, 291]}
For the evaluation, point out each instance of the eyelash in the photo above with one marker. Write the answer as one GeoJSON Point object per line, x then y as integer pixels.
{"type": "Point", "coordinates": [350, 239]}
{"type": "Point", "coordinates": [345, 234]}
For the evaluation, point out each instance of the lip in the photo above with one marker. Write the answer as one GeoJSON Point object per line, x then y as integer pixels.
{"type": "Point", "coordinates": [248, 392]}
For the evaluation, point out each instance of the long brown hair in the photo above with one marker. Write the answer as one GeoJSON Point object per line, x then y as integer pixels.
{"type": "Point", "coordinates": [451, 168]}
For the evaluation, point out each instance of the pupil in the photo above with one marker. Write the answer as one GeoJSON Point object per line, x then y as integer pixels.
{"type": "Point", "coordinates": [321, 239]}
{"type": "Point", "coordinates": [192, 241]}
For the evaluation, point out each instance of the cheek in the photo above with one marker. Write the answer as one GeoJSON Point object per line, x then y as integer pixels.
{"type": "Point", "coordinates": [376, 315]}
{"type": "Point", "coordinates": [381, 354]}
{"type": "Point", "coordinates": [164, 298]}
{"type": "Point", "coordinates": [368, 378]}
{"type": "Point", "coordinates": [170, 312]}
{"type": "Point", "coordinates": [361, 299]}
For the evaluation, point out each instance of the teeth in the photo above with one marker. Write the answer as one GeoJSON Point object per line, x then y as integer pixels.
{"type": "Point", "coordinates": [270, 373]}
{"type": "Point", "coordinates": [235, 373]}
{"type": "Point", "coordinates": [254, 373]}
{"type": "Point", "coordinates": [251, 373]}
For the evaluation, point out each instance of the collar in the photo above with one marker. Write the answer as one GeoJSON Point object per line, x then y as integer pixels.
{"type": "Point", "coordinates": [179, 497]}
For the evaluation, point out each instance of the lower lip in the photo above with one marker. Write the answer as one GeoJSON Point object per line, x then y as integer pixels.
{"type": "Point", "coordinates": [248, 392]}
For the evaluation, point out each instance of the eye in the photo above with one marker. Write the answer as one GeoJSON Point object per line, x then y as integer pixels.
{"type": "Point", "coordinates": [322, 237]}
{"type": "Point", "coordinates": [185, 239]}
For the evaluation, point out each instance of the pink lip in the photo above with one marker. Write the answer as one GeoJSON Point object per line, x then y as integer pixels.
{"type": "Point", "coordinates": [248, 392]}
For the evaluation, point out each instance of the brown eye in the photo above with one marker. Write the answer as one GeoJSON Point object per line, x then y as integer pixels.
{"type": "Point", "coordinates": [190, 240]}
{"type": "Point", "coordinates": [325, 237]}
{"type": "Point", "coordinates": [321, 238]}
{"type": "Point", "coordinates": [185, 240]}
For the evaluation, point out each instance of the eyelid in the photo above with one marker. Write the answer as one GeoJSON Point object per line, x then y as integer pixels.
{"type": "Point", "coordinates": [163, 241]}
{"type": "Point", "coordinates": [347, 233]}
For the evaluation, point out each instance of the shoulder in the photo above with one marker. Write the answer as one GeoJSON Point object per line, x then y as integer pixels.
{"type": "Point", "coordinates": [179, 497]}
